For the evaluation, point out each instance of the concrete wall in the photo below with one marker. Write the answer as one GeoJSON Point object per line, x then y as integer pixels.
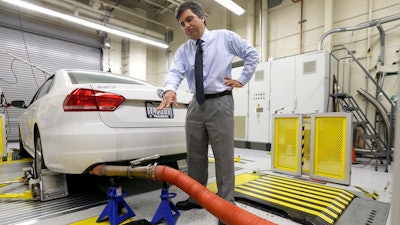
{"type": "Point", "coordinates": [291, 28]}
{"type": "Point", "coordinates": [282, 36]}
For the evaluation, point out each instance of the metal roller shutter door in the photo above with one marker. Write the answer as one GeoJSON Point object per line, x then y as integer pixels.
{"type": "Point", "coordinates": [19, 81]}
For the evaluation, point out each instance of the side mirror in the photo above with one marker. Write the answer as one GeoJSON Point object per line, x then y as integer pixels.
{"type": "Point", "coordinates": [19, 104]}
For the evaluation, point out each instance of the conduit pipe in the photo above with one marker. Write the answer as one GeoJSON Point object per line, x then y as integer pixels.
{"type": "Point", "coordinates": [26, 62]}
{"type": "Point", "coordinates": [99, 14]}
{"type": "Point", "coordinates": [377, 22]}
{"type": "Point", "coordinates": [160, 6]}
{"type": "Point", "coordinates": [301, 23]}
{"type": "Point", "coordinates": [126, 10]}
{"type": "Point", "coordinates": [250, 21]}
{"type": "Point", "coordinates": [219, 207]}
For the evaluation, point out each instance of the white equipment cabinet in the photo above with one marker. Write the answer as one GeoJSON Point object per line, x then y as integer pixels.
{"type": "Point", "coordinates": [299, 84]}
{"type": "Point", "coordinates": [241, 98]}
{"type": "Point", "coordinates": [252, 110]}
{"type": "Point", "coordinates": [283, 72]}
{"type": "Point", "coordinates": [259, 110]}
{"type": "Point", "coordinates": [295, 84]}
{"type": "Point", "coordinates": [312, 82]}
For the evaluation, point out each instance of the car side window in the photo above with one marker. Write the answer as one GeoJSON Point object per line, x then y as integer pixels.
{"type": "Point", "coordinates": [44, 89]}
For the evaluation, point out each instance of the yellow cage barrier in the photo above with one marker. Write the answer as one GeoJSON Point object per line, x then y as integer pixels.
{"type": "Point", "coordinates": [317, 144]}
{"type": "Point", "coordinates": [287, 144]}
{"type": "Point", "coordinates": [331, 141]}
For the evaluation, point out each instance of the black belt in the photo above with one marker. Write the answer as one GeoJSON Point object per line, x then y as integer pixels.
{"type": "Point", "coordinates": [217, 95]}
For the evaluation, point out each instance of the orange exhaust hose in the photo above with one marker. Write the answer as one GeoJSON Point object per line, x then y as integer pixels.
{"type": "Point", "coordinates": [219, 207]}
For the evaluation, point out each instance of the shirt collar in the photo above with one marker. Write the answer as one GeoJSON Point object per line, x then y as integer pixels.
{"type": "Point", "coordinates": [203, 37]}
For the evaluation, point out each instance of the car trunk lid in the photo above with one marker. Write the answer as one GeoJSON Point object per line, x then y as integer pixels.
{"type": "Point", "coordinates": [139, 107]}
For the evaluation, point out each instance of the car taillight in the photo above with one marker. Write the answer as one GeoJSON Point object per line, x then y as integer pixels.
{"type": "Point", "coordinates": [82, 99]}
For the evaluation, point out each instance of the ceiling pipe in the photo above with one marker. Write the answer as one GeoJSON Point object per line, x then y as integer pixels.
{"type": "Point", "coordinates": [128, 11]}
{"type": "Point", "coordinates": [160, 6]}
{"type": "Point", "coordinates": [87, 10]}
{"type": "Point", "coordinates": [250, 7]}
{"type": "Point", "coordinates": [175, 2]}
{"type": "Point", "coordinates": [263, 24]}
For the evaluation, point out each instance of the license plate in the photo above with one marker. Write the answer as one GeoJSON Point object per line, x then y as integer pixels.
{"type": "Point", "coordinates": [152, 112]}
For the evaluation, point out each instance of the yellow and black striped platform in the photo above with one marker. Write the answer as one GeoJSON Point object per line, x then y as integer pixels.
{"type": "Point", "coordinates": [301, 200]}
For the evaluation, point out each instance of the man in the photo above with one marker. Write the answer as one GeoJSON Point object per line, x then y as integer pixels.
{"type": "Point", "coordinates": [209, 120]}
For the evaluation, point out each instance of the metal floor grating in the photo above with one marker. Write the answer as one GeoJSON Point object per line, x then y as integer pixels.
{"type": "Point", "coordinates": [365, 211]}
{"type": "Point", "coordinates": [18, 211]}
{"type": "Point", "coordinates": [83, 195]}
{"type": "Point", "coordinates": [302, 201]}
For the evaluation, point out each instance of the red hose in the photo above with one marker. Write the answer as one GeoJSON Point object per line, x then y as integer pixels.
{"type": "Point", "coordinates": [224, 210]}
{"type": "Point", "coordinates": [219, 207]}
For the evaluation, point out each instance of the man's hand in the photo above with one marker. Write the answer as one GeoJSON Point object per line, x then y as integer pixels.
{"type": "Point", "coordinates": [230, 83]}
{"type": "Point", "coordinates": [169, 97]}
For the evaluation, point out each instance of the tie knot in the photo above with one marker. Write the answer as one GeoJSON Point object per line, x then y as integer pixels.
{"type": "Point", "coordinates": [199, 42]}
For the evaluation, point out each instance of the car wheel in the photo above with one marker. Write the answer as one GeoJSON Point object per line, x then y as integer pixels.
{"type": "Point", "coordinates": [22, 151]}
{"type": "Point", "coordinates": [38, 163]}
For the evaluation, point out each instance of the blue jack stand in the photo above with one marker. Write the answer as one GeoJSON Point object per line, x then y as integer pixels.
{"type": "Point", "coordinates": [167, 209]}
{"type": "Point", "coordinates": [111, 210]}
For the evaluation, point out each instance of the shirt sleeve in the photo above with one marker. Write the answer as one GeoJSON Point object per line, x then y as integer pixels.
{"type": "Point", "coordinates": [176, 73]}
{"type": "Point", "coordinates": [248, 53]}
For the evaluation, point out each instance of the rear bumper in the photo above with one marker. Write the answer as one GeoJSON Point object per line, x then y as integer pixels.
{"type": "Point", "coordinates": [72, 151]}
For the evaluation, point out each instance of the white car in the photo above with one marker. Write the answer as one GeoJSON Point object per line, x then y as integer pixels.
{"type": "Point", "coordinates": [78, 119]}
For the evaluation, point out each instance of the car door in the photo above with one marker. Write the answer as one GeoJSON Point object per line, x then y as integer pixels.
{"type": "Point", "coordinates": [28, 118]}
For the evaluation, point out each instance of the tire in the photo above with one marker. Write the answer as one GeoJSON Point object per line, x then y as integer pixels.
{"type": "Point", "coordinates": [38, 162]}
{"type": "Point", "coordinates": [22, 151]}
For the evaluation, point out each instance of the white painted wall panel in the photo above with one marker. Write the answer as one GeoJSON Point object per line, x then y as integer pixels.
{"type": "Point", "coordinates": [283, 81]}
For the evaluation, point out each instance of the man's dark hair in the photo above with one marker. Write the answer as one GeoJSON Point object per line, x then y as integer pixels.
{"type": "Point", "coordinates": [194, 6]}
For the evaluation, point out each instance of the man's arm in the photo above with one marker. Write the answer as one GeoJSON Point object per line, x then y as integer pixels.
{"type": "Point", "coordinates": [173, 78]}
{"type": "Point", "coordinates": [248, 53]}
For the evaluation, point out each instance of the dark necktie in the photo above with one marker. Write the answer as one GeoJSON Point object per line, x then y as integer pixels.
{"type": "Point", "coordinates": [198, 73]}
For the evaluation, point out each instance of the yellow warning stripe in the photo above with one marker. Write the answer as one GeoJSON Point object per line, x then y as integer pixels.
{"type": "Point", "coordinates": [15, 180]}
{"type": "Point", "coordinates": [339, 194]}
{"type": "Point", "coordinates": [343, 196]}
{"type": "Point", "coordinates": [320, 188]}
{"type": "Point", "coordinates": [374, 195]}
{"type": "Point", "coordinates": [311, 184]}
{"type": "Point", "coordinates": [325, 202]}
{"type": "Point", "coordinates": [93, 220]}
{"type": "Point", "coordinates": [302, 145]}
{"type": "Point", "coordinates": [25, 195]}
{"type": "Point", "coordinates": [301, 202]}
{"type": "Point", "coordinates": [315, 193]}
{"type": "Point", "coordinates": [16, 161]}
{"type": "Point", "coordinates": [300, 195]}
{"type": "Point", "coordinates": [319, 192]}
{"type": "Point", "coordinates": [314, 190]}
{"type": "Point", "coordinates": [289, 205]}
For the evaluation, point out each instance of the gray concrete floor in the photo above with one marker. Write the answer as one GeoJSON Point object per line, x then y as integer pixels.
{"type": "Point", "coordinates": [144, 202]}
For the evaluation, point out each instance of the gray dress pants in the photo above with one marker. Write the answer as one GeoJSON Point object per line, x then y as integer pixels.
{"type": "Point", "coordinates": [212, 123]}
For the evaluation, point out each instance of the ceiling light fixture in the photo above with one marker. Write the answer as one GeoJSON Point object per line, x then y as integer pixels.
{"type": "Point", "coordinates": [235, 8]}
{"type": "Point", "coordinates": [86, 23]}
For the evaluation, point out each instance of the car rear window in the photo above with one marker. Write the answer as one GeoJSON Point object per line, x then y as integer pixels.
{"type": "Point", "coordinates": [92, 77]}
